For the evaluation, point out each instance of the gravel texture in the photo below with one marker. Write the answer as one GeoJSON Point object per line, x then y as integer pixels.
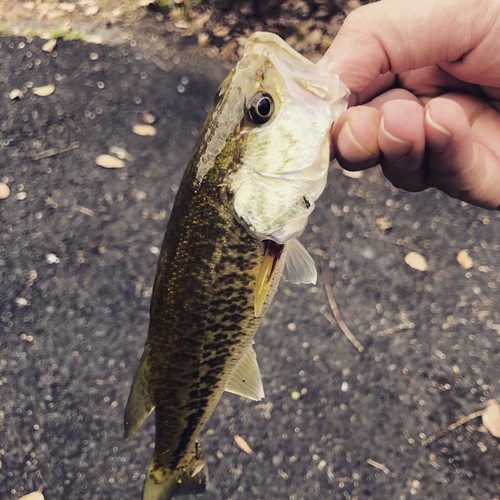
{"type": "Point", "coordinates": [78, 251]}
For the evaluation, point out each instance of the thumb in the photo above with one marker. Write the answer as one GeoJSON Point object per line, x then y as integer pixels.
{"type": "Point", "coordinates": [401, 35]}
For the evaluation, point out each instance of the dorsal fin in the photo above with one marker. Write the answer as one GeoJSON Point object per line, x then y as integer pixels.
{"type": "Point", "coordinates": [299, 265]}
{"type": "Point", "coordinates": [140, 403]}
{"type": "Point", "coordinates": [246, 380]}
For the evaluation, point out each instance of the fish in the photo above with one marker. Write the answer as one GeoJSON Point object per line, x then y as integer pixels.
{"type": "Point", "coordinates": [259, 165]}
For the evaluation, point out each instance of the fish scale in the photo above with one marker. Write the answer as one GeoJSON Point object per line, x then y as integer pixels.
{"type": "Point", "coordinates": [243, 199]}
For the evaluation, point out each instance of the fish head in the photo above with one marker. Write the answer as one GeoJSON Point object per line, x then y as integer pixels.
{"type": "Point", "coordinates": [284, 107]}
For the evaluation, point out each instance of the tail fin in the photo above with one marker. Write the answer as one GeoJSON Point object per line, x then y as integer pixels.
{"type": "Point", "coordinates": [188, 478]}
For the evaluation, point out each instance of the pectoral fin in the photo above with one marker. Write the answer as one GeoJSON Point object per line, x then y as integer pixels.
{"type": "Point", "coordinates": [140, 403]}
{"type": "Point", "coordinates": [272, 254]}
{"type": "Point", "coordinates": [246, 380]}
{"type": "Point", "coordinates": [299, 265]}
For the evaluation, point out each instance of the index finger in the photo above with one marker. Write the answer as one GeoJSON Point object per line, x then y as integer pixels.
{"type": "Point", "coordinates": [396, 36]}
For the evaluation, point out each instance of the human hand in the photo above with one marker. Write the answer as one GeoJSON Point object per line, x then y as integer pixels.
{"type": "Point", "coordinates": [425, 82]}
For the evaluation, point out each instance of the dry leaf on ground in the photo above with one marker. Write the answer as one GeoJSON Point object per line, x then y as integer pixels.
{"type": "Point", "coordinates": [16, 93]}
{"type": "Point", "coordinates": [36, 495]}
{"type": "Point", "coordinates": [144, 130]}
{"type": "Point", "coordinates": [50, 45]}
{"type": "Point", "coordinates": [108, 161]}
{"type": "Point", "coordinates": [243, 444]}
{"type": "Point", "coordinates": [44, 91]}
{"type": "Point", "coordinates": [463, 258]}
{"type": "Point", "coordinates": [4, 191]}
{"type": "Point", "coordinates": [416, 261]}
{"type": "Point", "coordinates": [491, 417]}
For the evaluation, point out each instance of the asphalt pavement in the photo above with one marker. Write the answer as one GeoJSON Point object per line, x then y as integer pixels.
{"type": "Point", "coordinates": [78, 251]}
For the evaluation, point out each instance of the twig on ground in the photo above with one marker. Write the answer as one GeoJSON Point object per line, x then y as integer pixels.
{"type": "Point", "coordinates": [394, 241]}
{"type": "Point", "coordinates": [377, 465]}
{"type": "Point", "coordinates": [335, 309]}
{"type": "Point", "coordinates": [56, 151]}
{"type": "Point", "coordinates": [395, 329]}
{"type": "Point", "coordinates": [453, 426]}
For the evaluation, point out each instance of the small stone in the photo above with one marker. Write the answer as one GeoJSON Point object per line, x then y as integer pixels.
{"type": "Point", "coordinates": [52, 258]}
{"type": "Point", "coordinates": [416, 261]}
{"type": "Point", "coordinates": [16, 94]}
{"type": "Point", "coordinates": [21, 302]}
{"type": "Point", "coordinates": [144, 130]}
{"type": "Point", "coordinates": [4, 191]}
{"type": "Point", "coordinates": [50, 45]}
{"type": "Point", "coordinates": [21, 196]}
{"type": "Point", "coordinates": [108, 161]}
{"type": "Point", "coordinates": [44, 91]}
{"type": "Point", "coordinates": [93, 56]}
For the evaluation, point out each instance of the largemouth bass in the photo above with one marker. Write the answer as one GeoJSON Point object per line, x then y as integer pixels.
{"type": "Point", "coordinates": [259, 165]}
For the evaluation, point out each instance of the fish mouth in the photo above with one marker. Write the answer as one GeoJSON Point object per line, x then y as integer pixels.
{"type": "Point", "coordinates": [272, 254]}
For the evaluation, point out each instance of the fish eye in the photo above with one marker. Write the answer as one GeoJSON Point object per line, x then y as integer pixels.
{"type": "Point", "coordinates": [261, 108]}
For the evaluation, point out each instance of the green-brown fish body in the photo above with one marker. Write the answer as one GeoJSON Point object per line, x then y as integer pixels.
{"type": "Point", "coordinates": [223, 255]}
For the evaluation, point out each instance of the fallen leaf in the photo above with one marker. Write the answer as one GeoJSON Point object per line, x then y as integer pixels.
{"type": "Point", "coordinates": [221, 32]}
{"type": "Point", "coordinates": [148, 117]}
{"type": "Point", "coordinates": [243, 444]}
{"type": "Point", "coordinates": [383, 224]}
{"type": "Point", "coordinates": [94, 39]}
{"type": "Point", "coordinates": [120, 153]}
{"type": "Point", "coordinates": [463, 258]}
{"type": "Point", "coordinates": [182, 24]}
{"type": "Point", "coordinates": [67, 6]}
{"type": "Point", "coordinates": [91, 11]}
{"type": "Point", "coordinates": [44, 91]}
{"type": "Point", "coordinates": [108, 161]}
{"type": "Point", "coordinates": [491, 417]}
{"type": "Point", "coordinates": [4, 191]}
{"type": "Point", "coordinates": [16, 93]}
{"type": "Point", "coordinates": [144, 130]}
{"type": "Point", "coordinates": [36, 495]}
{"type": "Point", "coordinates": [203, 39]}
{"type": "Point", "coordinates": [50, 45]}
{"type": "Point", "coordinates": [416, 261]}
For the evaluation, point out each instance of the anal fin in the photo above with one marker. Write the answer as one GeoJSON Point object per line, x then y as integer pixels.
{"type": "Point", "coordinates": [140, 403]}
{"type": "Point", "coordinates": [246, 380]}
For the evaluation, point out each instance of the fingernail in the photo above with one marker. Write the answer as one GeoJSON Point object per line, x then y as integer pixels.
{"type": "Point", "coordinates": [399, 149]}
{"type": "Point", "coordinates": [359, 154]}
{"type": "Point", "coordinates": [439, 144]}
